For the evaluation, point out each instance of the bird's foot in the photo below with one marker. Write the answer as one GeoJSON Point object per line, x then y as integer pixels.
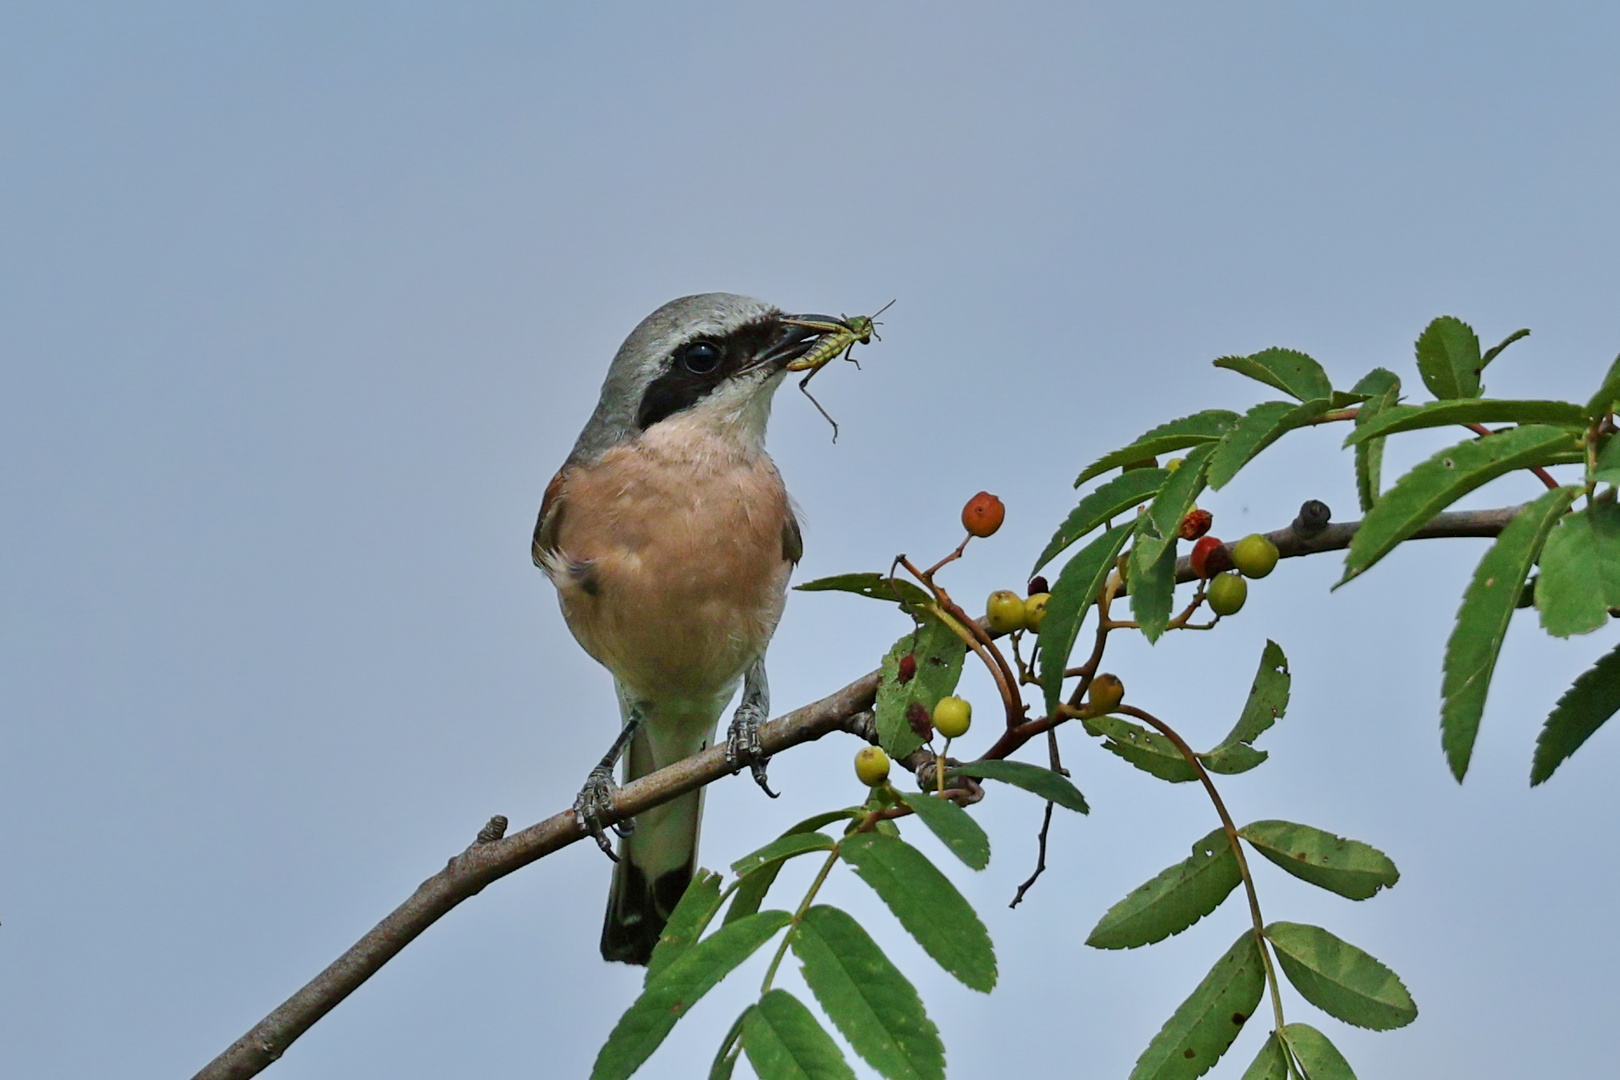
{"type": "Point", "coordinates": [743, 746]}
{"type": "Point", "coordinates": [594, 803]}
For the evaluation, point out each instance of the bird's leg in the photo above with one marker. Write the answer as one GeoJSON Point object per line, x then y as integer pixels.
{"type": "Point", "coordinates": [595, 799]}
{"type": "Point", "coordinates": [742, 738]}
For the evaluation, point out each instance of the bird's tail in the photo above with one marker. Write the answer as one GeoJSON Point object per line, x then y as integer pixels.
{"type": "Point", "coordinates": [656, 862]}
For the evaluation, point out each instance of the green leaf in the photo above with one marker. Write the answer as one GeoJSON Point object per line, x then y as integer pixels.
{"type": "Point", "coordinates": [1206, 426]}
{"type": "Point", "coordinates": [1201, 1029]}
{"type": "Point", "coordinates": [1174, 899]}
{"type": "Point", "coordinates": [667, 998]}
{"type": "Point", "coordinates": [1467, 411]}
{"type": "Point", "coordinates": [1580, 571]}
{"type": "Point", "coordinates": [874, 586]}
{"type": "Point", "coordinates": [1268, 700]}
{"type": "Point", "coordinates": [783, 847]}
{"type": "Point", "coordinates": [1153, 579]}
{"type": "Point", "coordinates": [1496, 350]}
{"type": "Point", "coordinates": [1320, 1058]}
{"type": "Point", "coordinates": [752, 887]}
{"type": "Point", "coordinates": [1292, 372]}
{"type": "Point", "coordinates": [725, 1059]}
{"type": "Point", "coordinates": [1053, 786]}
{"type": "Point", "coordinates": [864, 994]}
{"type": "Point", "coordinates": [686, 923]}
{"type": "Point", "coordinates": [784, 1042]}
{"type": "Point", "coordinates": [1271, 1063]}
{"type": "Point", "coordinates": [953, 825]}
{"type": "Point", "coordinates": [1592, 699]}
{"type": "Point", "coordinates": [927, 905]}
{"type": "Point", "coordinates": [939, 655]}
{"type": "Point", "coordinates": [1179, 495]}
{"type": "Point", "coordinates": [1482, 622]}
{"type": "Point", "coordinates": [1383, 392]}
{"type": "Point", "coordinates": [1260, 427]}
{"type": "Point", "coordinates": [1603, 401]}
{"type": "Point", "coordinates": [1443, 479]}
{"type": "Point", "coordinates": [1608, 461]}
{"type": "Point", "coordinates": [1077, 587]}
{"type": "Point", "coordinates": [1448, 358]}
{"type": "Point", "coordinates": [1340, 979]}
{"type": "Point", "coordinates": [1347, 867]}
{"type": "Point", "coordinates": [1147, 750]}
{"type": "Point", "coordinates": [1120, 494]}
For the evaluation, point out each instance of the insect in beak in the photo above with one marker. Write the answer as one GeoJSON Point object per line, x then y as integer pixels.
{"type": "Point", "coordinates": [839, 335]}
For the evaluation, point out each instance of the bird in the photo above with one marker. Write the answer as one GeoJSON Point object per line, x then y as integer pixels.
{"type": "Point", "coordinates": [670, 538]}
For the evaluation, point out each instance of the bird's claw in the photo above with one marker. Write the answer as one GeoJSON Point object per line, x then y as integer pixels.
{"type": "Point", "coordinates": [594, 803]}
{"type": "Point", "coordinates": [743, 747]}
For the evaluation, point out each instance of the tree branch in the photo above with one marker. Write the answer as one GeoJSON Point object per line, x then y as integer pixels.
{"type": "Point", "coordinates": [492, 856]}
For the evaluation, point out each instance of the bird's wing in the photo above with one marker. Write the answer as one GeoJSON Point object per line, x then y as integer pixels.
{"type": "Point", "coordinates": [551, 512]}
{"type": "Point", "coordinates": [792, 539]}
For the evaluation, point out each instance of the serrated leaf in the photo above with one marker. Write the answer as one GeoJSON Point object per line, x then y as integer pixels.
{"type": "Point", "coordinates": [1076, 589]}
{"type": "Point", "coordinates": [1260, 427]}
{"type": "Point", "coordinates": [687, 922]}
{"type": "Point", "coordinates": [1608, 461]}
{"type": "Point", "coordinates": [874, 586]}
{"type": "Point", "coordinates": [1608, 394]}
{"type": "Point", "coordinates": [752, 887]}
{"type": "Point", "coordinates": [1347, 867]}
{"type": "Point", "coordinates": [1152, 579]}
{"type": "Point", "coordinates": [1580, 571]}
{"type": "Point", "coordinates": [1340, 979]}
{"type": "Point", "coordinates": [1496, 350]}
{"type": "Point", "coordinates": [939, 653]}
{"type": "Point", "coordinates": [927, 905]}
{"type": "Point", "coordinates": [1053, 786]}
{"type": "Point", "coordinates": [1319, 1057]}
{"type": "Point", "coordinates": [1467, 411]}
{"type": "Point", "coordinates": [1147, 750]}
{"type": "Point", "coordinates": [1206, 426]}
{"type": "Point", "coordinates": [1203, 1027]}
{"type": "Point", "coordinates": [867, 997]}
{"type": "Point", "coordinates": [1448, 358]}
{"type": "Point", "coordinates": [1271, 1063]}
{"type": "Point", "coordinates": [1443, 479]}
{"type": "Point", "coordinates": [1179, 495]}
{"type": "Point", "coordinates": [782, 848]}
{"type": "Point", "coordinates": [1482, 622]}
{"type": "Point", "coordinates": [725, 1059]}
{"type": "Point", "coordinates": [1383, 392]}
{"type": "Point", "coordinates": [1266, 703]}
{"type": "Point", "coordinates": [1122, 493]}
{"type": "Point", "coordinates": [784, 1042]}
{"type": "Point", "coordinates": [953, 825]}
{"type": "Point", "coordinates": [1590, 700]}
{"type": "Point", "coordinates": [666, 999]}
{"type": "Point", "coordinates": [1173, 899]}
{"type": "Point", "coordinates": [1234, 759]}
{"type": "Point", "coordinates": [1292, 372]}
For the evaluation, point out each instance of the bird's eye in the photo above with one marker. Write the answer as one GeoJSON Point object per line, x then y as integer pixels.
{"type": "Point", "coordinates": [700, 357]}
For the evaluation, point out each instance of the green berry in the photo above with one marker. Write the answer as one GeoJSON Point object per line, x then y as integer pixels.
{"type": "Point", "coordinates": [952, 717]}
{"type": "Point", "coordinates": [1004, 611]}
{"type": "Point", "coordinates": [1227, 592]}
{"type": "Point", "coordinates": [871, 765]}
{"type": "Point", "coordinates": [1254, 556]}
{"type": "Point", "coordinates": [1035, 610]}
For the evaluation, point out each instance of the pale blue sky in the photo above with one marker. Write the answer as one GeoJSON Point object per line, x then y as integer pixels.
{"type": "Point", "coordinates": [301, 304]}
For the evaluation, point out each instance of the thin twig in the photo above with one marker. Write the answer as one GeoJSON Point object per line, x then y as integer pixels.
{"type": "Point", "coordinates": [1056, 761]}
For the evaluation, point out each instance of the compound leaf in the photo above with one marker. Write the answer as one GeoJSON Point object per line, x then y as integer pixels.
{"type": "Point", "coordinates": [953, 825]}
{"type": "Point", "coordinates": [1271, 1063]}
{"type": "Point", "coordinates": [1347, 867]}
{"type": "Point", "coordinates": [783, 1041]}
{"type": "Point", "coordinates": [1173, 899]}
{"type": "Point", "coordinates": [1077, 587]}
{"type": "Point", "coordinates": [1203, 1027]}
{"type": "Point", "coordinates": [687, 922]}
{"type": "Point", "coordinates": [1467, 411]}
{"type": "Point", "coordinates": [1206, 426]}
{"type": "Point", "coordinates": [1383, 390]}
{"type": "Point", "coordinates": [1340, 979]}
{"type": "Point", "coordinates": [1046, 783]}
{"type": "Point", "coordinates": [1448, 358]}
{"type": "Point", "coordinates": [1268, 700]}
{"type": "Point", "coordinates": [1122, 493]}
{"type": "Point", "coordinates": [874, 586]}
{"type": "Point", "coordinates": [1292, 372]}
{"type": "Point", "coordinates": [1260, 427]}
{"type": "Point", "coordinates": [1320, 1058]}
{"type": "Point", "coordinates": [1147, 750]}
{"type": "Point", "coordinates": [1580, 571]}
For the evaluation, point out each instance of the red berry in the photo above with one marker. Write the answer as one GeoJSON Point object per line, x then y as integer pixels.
{"type": "Point", "coordinates": [1195, 524]}
{"type": "Point", "coordinates": [1200, 556]}
{"type": "Point", "coordinates": [908, 669]}
{"type": "Point", "coordinates": [1037, 584]}
{"type": "Point", "coordinates": [983, 514]}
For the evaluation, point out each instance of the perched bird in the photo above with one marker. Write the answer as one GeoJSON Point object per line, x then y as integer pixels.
{"type": "Point", "coordinates": [670, 538]}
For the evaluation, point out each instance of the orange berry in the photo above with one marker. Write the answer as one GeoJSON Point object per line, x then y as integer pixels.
{"type": "Point", "coordinates": [983, 514]}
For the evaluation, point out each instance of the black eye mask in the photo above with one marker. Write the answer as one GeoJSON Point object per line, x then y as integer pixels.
{"type": "Point", "coordinates": [697, 368]}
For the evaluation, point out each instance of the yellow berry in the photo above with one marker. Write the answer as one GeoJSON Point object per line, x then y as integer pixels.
{"type": "Point", "coordinates": [1254, 556]}
{"type": "Point", "coordinates": [1227, 592]}
{"type": "Point", "coordinates": [1035, 610]}
{"type": "Point", "coordinates": [1004, 611]}
{"type": "Point", "coordinates": [871, 765]}
{"type": "Point", "coordinates": [952, 717]}
{"type": "Point", "coordinates": [1105, 695]}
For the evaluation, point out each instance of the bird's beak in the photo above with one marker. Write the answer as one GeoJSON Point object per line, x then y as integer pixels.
{"type": "Point", "coordinates": [797, 335]}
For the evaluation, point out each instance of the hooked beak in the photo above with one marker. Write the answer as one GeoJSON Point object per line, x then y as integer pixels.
{"type": "Point", "coordinates": [797, 335]}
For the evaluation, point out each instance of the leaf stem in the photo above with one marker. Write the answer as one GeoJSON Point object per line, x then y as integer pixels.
{"type": "Point", "coordinates": [798, 917]}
